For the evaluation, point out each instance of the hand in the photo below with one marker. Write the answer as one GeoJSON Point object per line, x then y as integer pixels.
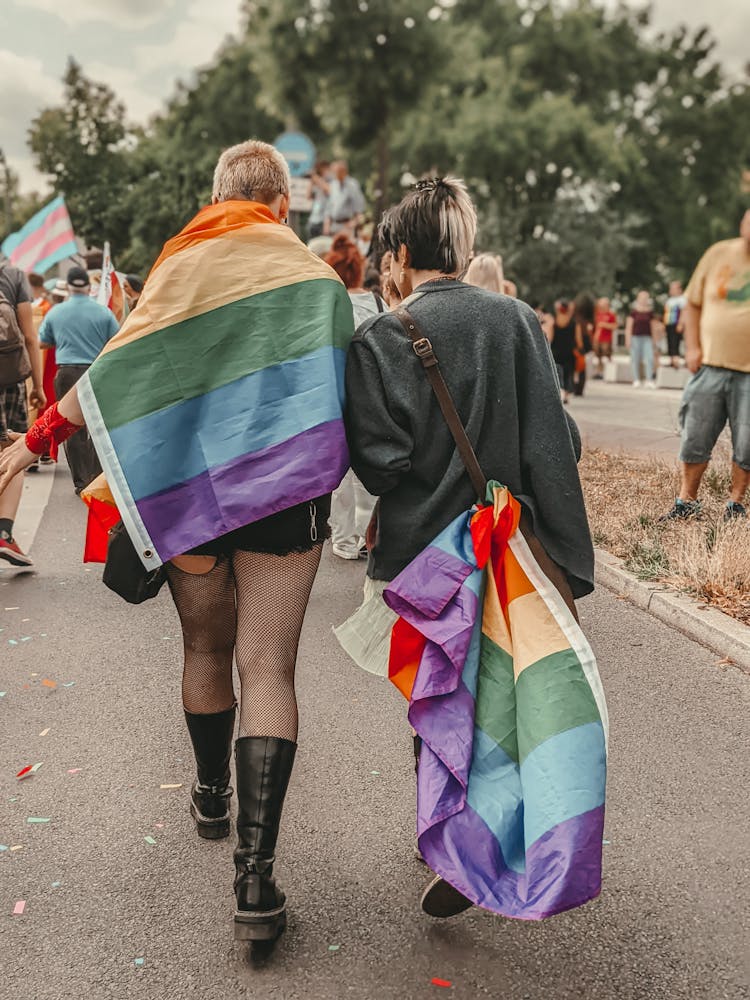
{"type": "Point", "coordinates": [37, 398]}
{"type": "Point", "coordinates": [14, 459]}
{"type": "Point", "coordinates": [694, 359]}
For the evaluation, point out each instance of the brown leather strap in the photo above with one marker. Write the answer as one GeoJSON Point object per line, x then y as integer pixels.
{"type": "Point", "coordinates": [423, 350]}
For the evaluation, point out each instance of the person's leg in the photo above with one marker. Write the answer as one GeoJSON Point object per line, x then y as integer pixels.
{"type": "Point", "coordinates": [703, 414]}
{"type": "Point", "coordinates": [204, 594]}
{"type": "Point", "coordinates": [272, 596]}
{"type": "Point", "coordinates": [635, 358]}
{"type": "Point", "coordinates": [344, 539]}
{"type": "Point", "coordinates": [648, 357]}
{"type": "Point", "coordinates": [13, 418]}
{"type": "Point", "coordinates": [738, 406]}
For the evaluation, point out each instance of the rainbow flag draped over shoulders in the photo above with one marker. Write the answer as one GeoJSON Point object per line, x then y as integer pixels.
{"type": "Point", "coordinates": [220, 400]}
{"type": "Point", "coordinates": [504, 691]}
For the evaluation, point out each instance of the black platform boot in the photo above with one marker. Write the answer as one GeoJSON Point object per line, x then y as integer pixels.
{"type": "Point", "coordinates": [264, 765]}
{"type": "Point", "coordinates": [211, 736]}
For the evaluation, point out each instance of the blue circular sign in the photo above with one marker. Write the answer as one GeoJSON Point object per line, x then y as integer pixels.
{"type": "Point", "coordinates": [298, 151]}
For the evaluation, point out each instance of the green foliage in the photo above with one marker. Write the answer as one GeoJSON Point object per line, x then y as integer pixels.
{"type": "Point", "coordinates": [600, 155]}
{"type": "Point", "coordinates": [83, 147]}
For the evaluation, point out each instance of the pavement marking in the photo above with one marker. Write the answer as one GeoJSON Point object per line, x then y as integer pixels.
{"type": "Point", "coordinates": [36, 493]}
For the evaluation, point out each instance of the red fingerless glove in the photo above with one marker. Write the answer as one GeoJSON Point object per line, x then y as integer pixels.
{"type": "Point", "coordinates": [49, 431]}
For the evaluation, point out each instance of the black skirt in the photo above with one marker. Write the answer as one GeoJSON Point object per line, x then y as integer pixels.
{"type": "Point", "coordinates": [296, 529]}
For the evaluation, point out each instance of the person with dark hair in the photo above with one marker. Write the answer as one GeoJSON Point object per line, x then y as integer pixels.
{"type": "Point", "coordinates": [497, 366]}
{"type": "Point", "coordinates": [351, 504]}
{"type": "Point", "coordinates": [584, 310]}
{"type": "Point", "coordinates": [564, 337]}
{"type": "Point", "coordinates": [132, 286]}
{"type": "Point", "coordinates": [78, 329]}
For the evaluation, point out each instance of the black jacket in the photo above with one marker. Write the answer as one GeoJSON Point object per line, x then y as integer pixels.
{"type": "Point", "coordinates": [497, 364]}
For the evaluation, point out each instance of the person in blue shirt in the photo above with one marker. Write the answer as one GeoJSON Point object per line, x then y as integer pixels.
{"type": "Point", "coordinates": [78, 329]}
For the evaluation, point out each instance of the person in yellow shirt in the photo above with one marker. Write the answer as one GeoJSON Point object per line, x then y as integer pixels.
{"type": "Point", "coordinates": [717, 351]}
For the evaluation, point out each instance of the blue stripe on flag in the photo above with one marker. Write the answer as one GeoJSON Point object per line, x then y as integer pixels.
{"type": "Point", "coordinates": [287, 399]}
{"type": "Point", "coordinates": [494, 793]}
{"type": "Point", "coordinates": [562, 778]}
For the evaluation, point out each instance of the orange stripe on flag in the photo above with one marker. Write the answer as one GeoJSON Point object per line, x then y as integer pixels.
{"type": "Point", "coordinates": [407, 646]}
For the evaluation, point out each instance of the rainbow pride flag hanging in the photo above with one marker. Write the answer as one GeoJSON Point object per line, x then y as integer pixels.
{"type": "Point", "coordinates": [220, 400]}
{"type": "Point", "coordinates": [504, 691]}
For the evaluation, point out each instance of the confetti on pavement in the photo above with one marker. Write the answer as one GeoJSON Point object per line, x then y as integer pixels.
{"type": "Point", "coordinates": [37, 819]}
{"type": "Point", "coordinates": [56, 885]}
{"type": "Point", "coordinates": [12, 642]}
{"type": "Point", "coordinates": [67, 684]}
{"type": "Point", "coordinates": [445, 983]}
{"type": "Point", "coordinates": [25, 771]}
{"type": "Point", "coordinates": [74, 770]}
{"type": "Point", "coordinates": [44, 731]}
{"type": "Point", "coordinates": [12, 609]}
{"type": "Point", "coordinates": [46, 682]}
{"type": "Point", "coordinates": [606, 843]}
{"type": "Point", "coordinates": [138, 961]}
{"type": "Point", "coordinates": [16, 847]}
{"type": "Point", "coordinates": [149, 839]}
{"type": "Point", "coordinates": [334, 947]}
{"type": "Point", "coordinates": [19, 907]}
{"type": "Point", "coordinates": [3, 847]}
{"type": "Point", "coordinates": [179, 785]}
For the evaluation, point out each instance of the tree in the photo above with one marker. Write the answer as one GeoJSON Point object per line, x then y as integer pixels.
{"type": "Point", "coordinates": [345, 72]}
{"type": "Point", "coordinates": [82, 145]}
{"type": "Point", "coordinates": [171, 169]}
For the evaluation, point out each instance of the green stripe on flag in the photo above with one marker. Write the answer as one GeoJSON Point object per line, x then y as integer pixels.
{"type": "Point", "coordinates": [496, 697]}
{"type": "Point", "coordinates": [205, 352]}
{"type": "Point", "coordinates": [552, 696]}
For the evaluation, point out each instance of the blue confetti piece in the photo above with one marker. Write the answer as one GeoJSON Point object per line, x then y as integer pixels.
{"type": "Point", "coordinates": [138, 961]}
{"type": "Point", "coordinates": [56, 885]}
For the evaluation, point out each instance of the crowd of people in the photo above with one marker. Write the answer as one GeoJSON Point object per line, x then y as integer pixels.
{"type": "Point", "coordinates": [242, 591]}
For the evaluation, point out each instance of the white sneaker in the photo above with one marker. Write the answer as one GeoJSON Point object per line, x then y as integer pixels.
{"type": "Point", "coordinates": [651, 385]}
{"type": "Point", "coordinates": [637, 384]}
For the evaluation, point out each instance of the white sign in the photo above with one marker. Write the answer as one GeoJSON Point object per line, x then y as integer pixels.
{"type": "Point", "coordinates": [299, 200]}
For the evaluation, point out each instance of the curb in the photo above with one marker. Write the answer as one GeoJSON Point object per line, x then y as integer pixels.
{"type": "Point", "coordinates": [723, 635]}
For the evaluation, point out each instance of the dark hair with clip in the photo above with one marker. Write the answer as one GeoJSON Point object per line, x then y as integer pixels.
{"type": "Point", "coordinates": [436, 222]}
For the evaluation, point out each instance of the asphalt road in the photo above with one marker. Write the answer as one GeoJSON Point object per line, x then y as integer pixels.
{"type": "Point", "coordinates": [672, 921]}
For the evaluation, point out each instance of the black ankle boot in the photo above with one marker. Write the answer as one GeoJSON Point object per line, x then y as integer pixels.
{"type": "Point", "coordinates": [264, 765]}
{"type": "Point", "coordinates": [211, 736]}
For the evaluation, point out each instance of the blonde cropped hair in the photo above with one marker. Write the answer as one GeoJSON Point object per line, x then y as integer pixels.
{"type": "Point", "coordinates": [436, 222]}
{"type": "Point", "coordinates": [254, 170]}
{"type": "Point", "coordinates": [486, 271]}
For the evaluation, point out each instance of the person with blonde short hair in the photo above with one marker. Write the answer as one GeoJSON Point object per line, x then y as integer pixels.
{"type": "Point", "coordinates": [252, 442]}
{"type": "Point", "coordinates": [486, 271]}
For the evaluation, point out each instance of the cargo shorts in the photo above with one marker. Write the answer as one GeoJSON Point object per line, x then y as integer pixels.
{"type": "Point", "coordinates": [713, 397]}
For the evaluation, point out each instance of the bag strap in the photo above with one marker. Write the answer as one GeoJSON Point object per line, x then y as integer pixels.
{"type": "Point", "coordinates": [423, 350]}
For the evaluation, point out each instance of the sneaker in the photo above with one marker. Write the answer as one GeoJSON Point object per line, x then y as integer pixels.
{"type": "Point", "coordinates": [637, 383]}
{"type": "Point", "coordinates": [12, 554]}
{"type": "Point", "coordinates": [440, 899]}
{"type": "Point", "coordinates": [34, 467]}
{"type": "Point", "coordinates": [682, 510]}
{"type": "Point", "coordinates": [46, 459]}
{"type": "Point", "coordinates": [651, 385]}
{"type": "Point", "coordinates": [734, 511]}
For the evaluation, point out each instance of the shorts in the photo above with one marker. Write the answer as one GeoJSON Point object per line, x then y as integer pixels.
{"type": "Point", "coordinates": [296, 529]}
{"type": "Point", "coordinates": [712, 397]}
{"type": "Point", "coordinates": [673, 341]}
{"type": "Point", "coordinates": [603, 348]}
{"type": "Point", "coordinates": [13, 415]}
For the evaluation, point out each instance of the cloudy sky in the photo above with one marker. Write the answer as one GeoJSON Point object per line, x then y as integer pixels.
{"type": "Point", "coordinates": [141, 47]}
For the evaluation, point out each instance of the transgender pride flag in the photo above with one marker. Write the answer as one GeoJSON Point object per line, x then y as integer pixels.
{"type": "Point", "coordinates": [46, 239]}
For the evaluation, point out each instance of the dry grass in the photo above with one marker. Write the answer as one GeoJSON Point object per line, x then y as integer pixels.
{"type": "Point", "coordinates": [708, 559]}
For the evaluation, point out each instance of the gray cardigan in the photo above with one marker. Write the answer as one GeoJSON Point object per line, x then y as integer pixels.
{"type": "Point", "coordinates": [497, 364]}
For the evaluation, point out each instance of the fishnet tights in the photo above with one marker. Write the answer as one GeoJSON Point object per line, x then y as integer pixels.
{"type": "Point", "coordinates": [253, 606]}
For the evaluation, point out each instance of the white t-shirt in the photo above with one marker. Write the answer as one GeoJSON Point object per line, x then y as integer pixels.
{"type": "Point", "coordinates": [364, 305]}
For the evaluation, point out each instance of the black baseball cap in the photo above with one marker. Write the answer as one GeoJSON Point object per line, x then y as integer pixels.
{"type": "Point", "coordinates": [78, 278]}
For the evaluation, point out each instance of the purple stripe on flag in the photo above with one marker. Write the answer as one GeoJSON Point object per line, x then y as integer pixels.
{"type": "Point", "coordinates": [563, 867]}
{"type": "Point", "coordinates": [445, 725]}
{"type": "Point", "coordinates": [246, 489]}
